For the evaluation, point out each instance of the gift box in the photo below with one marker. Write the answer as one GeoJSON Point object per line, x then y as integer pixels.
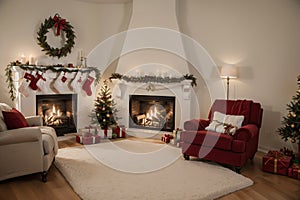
{"type": "Point", "coordinates": [167, 138]}
{"type": "Point", "coordinates": [294, 171]}
{"type": "Point", "coordinates": [276, 162]}
{"type": "Point", "coordinates": [88, 139]}
{"type": "Point", "coordinates": [120, 131]}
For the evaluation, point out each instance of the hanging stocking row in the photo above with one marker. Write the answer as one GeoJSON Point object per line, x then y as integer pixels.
{"type": "Point", "coordinates": [62, 83]}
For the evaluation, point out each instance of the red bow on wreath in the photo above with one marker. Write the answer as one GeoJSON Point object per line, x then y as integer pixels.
{"type": "Point", "coordinates": [60, 24]}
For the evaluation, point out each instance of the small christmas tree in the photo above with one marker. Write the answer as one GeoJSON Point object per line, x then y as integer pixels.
{"type": "Point", "coordinates": [105, 108]}
{"type": "Point", "coordinates": [290, 128]}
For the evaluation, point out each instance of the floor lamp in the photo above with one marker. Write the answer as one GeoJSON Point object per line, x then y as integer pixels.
{"type": "Point", "coordinates": [228, 72]}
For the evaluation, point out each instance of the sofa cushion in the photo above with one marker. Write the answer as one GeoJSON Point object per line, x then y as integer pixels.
{"type": "Point", "coordinates": [3, 107]}
{"type": "Point", "coordinates": [14, 119]}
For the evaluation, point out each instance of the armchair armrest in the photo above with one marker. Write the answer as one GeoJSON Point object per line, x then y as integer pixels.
{"type": "Point", "coordinates": [28, 134]}
{"type": "Point", "coordinates": [34, 120]}
{"type": "Point", "coordinates": [246, 132]}
{"type": "Point", "coordinates": [196, 124]}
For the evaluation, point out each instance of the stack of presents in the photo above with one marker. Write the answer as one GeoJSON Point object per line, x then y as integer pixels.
{"type": "Point", "coordinates": [281, 162]}
{"type": "Point", "coordinates": [93, 134]}
{"type": "Point", "coordinates": [173, 138]}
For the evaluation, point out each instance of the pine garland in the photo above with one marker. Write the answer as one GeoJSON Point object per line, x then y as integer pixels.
{"type": "Point", "coordinates": [154, 79]}
{"type": "Point", "coordinates": [54, 68]}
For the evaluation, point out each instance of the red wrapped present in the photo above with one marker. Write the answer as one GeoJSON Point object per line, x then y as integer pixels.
{"type": "Point", "coordinates": [120, 131]}
{"type": "Point", "coordinates": [276, 162]}
{"type": "Point", "coordinates": [294, 171]}
{"type": "Point", "coordinates": [88, 139]}
{"type": "Point", "coordinates": [167, 138]}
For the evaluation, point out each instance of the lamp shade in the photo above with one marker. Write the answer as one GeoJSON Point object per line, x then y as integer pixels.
{"type": "Point", "coordinates": [228, 71]}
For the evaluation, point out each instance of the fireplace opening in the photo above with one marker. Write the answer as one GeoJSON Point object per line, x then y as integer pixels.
{"type": "Point", "coordinates": [152, 112]}
{"type": "Point", "coordinates": [58, 111]}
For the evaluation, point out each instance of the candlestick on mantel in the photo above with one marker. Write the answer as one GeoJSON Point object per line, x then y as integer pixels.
{"type": "Point", "coordinates": [23, 59]}
{"type": "Point", "coordinates": [31, 60]}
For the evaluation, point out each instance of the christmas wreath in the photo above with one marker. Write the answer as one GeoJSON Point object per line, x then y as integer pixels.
{"type": "Point", "coordinates": [60, 25]}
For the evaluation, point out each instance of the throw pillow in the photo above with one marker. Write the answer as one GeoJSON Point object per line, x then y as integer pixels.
{"type": "Point", "coordinates": [227, 124]}
{"type": "Point", "coordinates": [14, 119]}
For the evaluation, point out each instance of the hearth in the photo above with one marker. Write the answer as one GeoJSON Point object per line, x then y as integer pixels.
{"type": "Point", "coordinates": [58, 111]}
{"type": "Point", "coordinates": [152, 112]}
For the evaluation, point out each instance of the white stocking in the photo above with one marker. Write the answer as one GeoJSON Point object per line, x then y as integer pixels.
{"type": "Point", "coordinates": [24, 88]}
{"type": "Point", "coordinates": [77, 82]}
{"type": "Point", "coordinates": [61, 84]}
{"type": "Point", "coordinates": [42, 84]}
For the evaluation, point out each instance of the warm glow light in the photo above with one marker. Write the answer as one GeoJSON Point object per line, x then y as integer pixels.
{"type": "Point", "coordinates": [228, 71]}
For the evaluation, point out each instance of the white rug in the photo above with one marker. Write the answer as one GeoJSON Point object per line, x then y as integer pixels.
{"type": "Point", "coordinates": [150, 171]}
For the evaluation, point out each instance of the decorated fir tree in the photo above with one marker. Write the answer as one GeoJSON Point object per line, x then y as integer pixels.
{"type": "Point", "coordinates": [105, 108]}
{"type": "Point", "coordinates": [290, 128]}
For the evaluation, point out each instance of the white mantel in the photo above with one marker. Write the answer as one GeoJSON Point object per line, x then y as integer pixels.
{"type": "Point", "coordinates": [181, 91]}
{"type": "Point", "coordinates": [27, 105]}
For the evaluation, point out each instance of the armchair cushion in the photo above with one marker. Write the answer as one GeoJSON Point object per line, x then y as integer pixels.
{"type": "Point", "coordinates": [14, 119]}
{"type": "Point", "coordinates": [196, 124]}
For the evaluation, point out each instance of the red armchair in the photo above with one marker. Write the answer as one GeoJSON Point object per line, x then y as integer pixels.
{"type": "Point", "coordinates": [233, 150]}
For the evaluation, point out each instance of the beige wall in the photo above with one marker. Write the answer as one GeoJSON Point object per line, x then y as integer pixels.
{"type": "Point", "coordinates": [20, 21]}
{"type": "Point", "coordinates": [261, 37]}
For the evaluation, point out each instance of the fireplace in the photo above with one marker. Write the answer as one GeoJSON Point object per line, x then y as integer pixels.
{"type": "Point", "coordinates": [152, 112]}
{"type": "Point", "coordinates": [58, 111]}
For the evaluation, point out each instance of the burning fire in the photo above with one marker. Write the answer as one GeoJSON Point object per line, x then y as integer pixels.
{"type": "Point", "coordinates": [54, 117]}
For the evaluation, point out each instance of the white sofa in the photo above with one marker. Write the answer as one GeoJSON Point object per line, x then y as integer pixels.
{"type": "Point", "coordinates": [26, 150]}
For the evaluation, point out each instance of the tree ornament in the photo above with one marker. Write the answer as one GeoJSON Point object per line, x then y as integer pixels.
{"type": "Point", "coordinates": [60, 25]}
{"type": "Point", "coordinates": [292, 125]}
{"type": "Point", "coordinates": [103, 108]}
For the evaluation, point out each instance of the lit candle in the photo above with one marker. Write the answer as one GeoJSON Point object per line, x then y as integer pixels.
{"type": "Point", "coordinates": [31, 60]}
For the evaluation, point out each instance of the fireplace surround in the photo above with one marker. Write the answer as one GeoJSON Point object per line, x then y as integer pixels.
{"type": "Point", "coordinates": [152, 112]}
{"type": "Point", "coordinates": [58, 111]}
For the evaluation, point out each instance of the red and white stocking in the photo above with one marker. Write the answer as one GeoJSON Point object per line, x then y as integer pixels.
{"type": "Point", "coordinates": [33, 82]}
{"type": "Point", "coordinates": [87, 85]}
{"type": "Point", "coordinates": [42, 84]}
{"type": "Point", "coordinates": [24, 87]}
